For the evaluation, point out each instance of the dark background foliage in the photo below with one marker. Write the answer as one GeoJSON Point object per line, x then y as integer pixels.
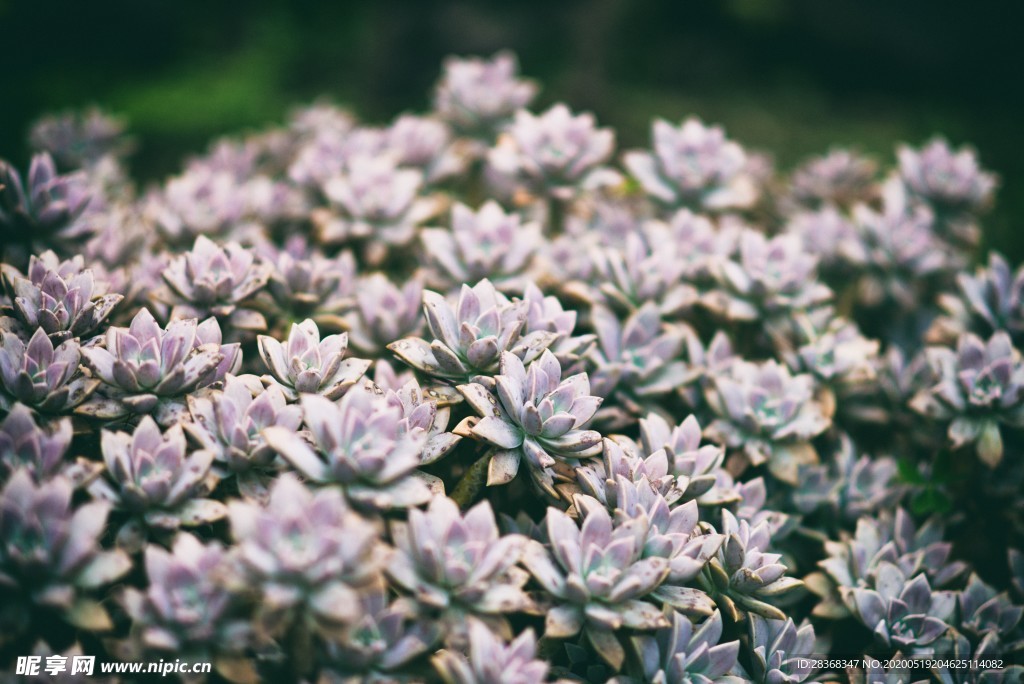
{"type": "Point", "coordinates": [789, 76]}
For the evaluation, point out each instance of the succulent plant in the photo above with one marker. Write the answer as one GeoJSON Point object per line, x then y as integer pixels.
{"type": "Point", "coordinates": [546, 313]}
{"type": "Point", "coordinates": [744, 575]}
{"type": "Point", "coordinates": [305, 364]}
{"type": "Point", "coordinates": [62, 298]}
{"type": "Point", "coordinates": [375, 198]}
{"type": "Point", "coordinates": [77, 139]}
{"type": "Point", "coordinates": [778, 650]}
{"type": "Point", "coordinates": [638, 360]}
{"type": "Point", "coordinates": [947, 180]}
{"type": "Point", "coordinates": [990, 300]}
{"type": "Point", "coordinates": [672, 534]}
{"type": "Point", "coordinates": [979, 387]}
{"type": "Point", "coordinates": [887, 538]}
{"type": "Point", "coordinates": [825, 233]}
{"type": "Point", "coordinates": [769, 413]}
{"type": "Point", "coordinates": [148, 370]}
{"type": "Point", "coordinates": [468, 339]}
{"type": "Point", "coordinates": [51, 556]}
{"type": "Point", "coordinates": [385, 638]}
{"type": "Point", "coordinates": [425, 409]}
{"type": "Point", "coordinates": [40, 449]}
{"type": "Point", "coordinates": [647, 268]}
{"type": "Point", "coordinates": [305, 284]}
{"type": "Point", "coordinates": [491, 661]}
{"type": "Point", "coordinates": [383, 312]}
{"type": "Point", "coordinates": [901, 612]}
{"type": "Point", "coordinates": [685, 654]}
{"type": "Point", "coordinates": [426, 144]}
{"type": "Point", "coordinates": [458, 565]}
{"type": "Point", "coordinates": [187, 609]}
{"type": "Point", "coordinates": [230, 424]}
{"type": "Point", "coordinates": [478, 97]}
{"type": "Point", "coordinates": [772, 278]}
{"type": "Point", "coordinates": [306, 555]}
{"type": "Point", "coordinates": [44, 212]}
{"type": "Point", "coordinates": [896, 249]}
{"type": "Point", "coordinates": [554, 154]}
{"type": "Point", "coordinates": [40, 375]}
{"type": "Point", "coordinates": [981, 611]}
{"type": "Point", "coordinates": [841, 177]}
{"type": "Point", "coordinates": [362, 445]}
{"type": "Point", "coordinates": [598, 577]}
{"type": "Point", "coordinates": [537, 417]}
{"type": "Point", "coordinates": [697, 468]}
{"type": "Point", "coordinates": [487, 243]}
{"type": "Point", "coordinates": [216, 281]}
{"type": "Point", "coordinates": [839, 355]}
{"type": "Point", "coordinates": [151, 476]}
{"type": "Point", "coordinates": [852, 487]}
{"type": "Point", "coordinates": [693, 165]}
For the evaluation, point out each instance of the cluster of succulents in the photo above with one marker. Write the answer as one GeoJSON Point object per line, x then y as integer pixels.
{"type": "Point", "coordinates": [473, 396]}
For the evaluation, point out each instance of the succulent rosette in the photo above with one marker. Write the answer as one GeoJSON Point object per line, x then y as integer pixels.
{"type": "Point", "coordinates": [379, 645]}
{"type": "Point", "coordinates": [902, 612]}
{"type": "Point", "coordinates": [43, 212]}
{"type": "Point", "coordinates": [426, 144]}
{"type": "Point", "coordinates": [41, 449]}
{"type": "Point", "coordinates": [217, 281]}
{"type": "Point", "coordinates": [458, 565]}
{"type": "Point", "coordinates": [230, 423]}
{"type": "Point", "coordinates": [693, 165]}
{"type": "Point", "coordinates": [478, 96]}
{"type": "Point", "coordinates": [303, 283]}
{"type": "Point", "coordinates": [555, 154]}
{"type": "Point", "coordinates": [468, 340]}
{"type": "Point", "coordinates": [151, 477]}
{"type": "Point", "coordinates": [306, 555]}
{"type": "Point", "coordinates": [947, 180]}
{"type": "Point", "coordinates": [77, 139]}
{"type": "Point", "coordinates": [383, 312]}
{"type": "Point", "coordinates": [52, 555]}
{"type": "Point", "coordinates": [362, 445]}
{"type": "Point", "coordinates": [638, 360]}
{"type": "Point", "coordinates": [537, 417]}
{"type": "Point", "coordinates": [187, 609]}
{"type": "Point", "coordinates": [374, 197]}
{"type": "Point", "coordinates": [306, 364]}
{"type": "Point", "coordinates": [546, 313]}
{"type": "Point", "coordinates": [146, 369]}
{"type": "Point", "coordinates": [979, 388]}
{"type": "Point", "coordinates": [685, 653]}
{"type": "Point", "coordinates": [40, 375]}
{"type": "Point", "coordinates": [696, 467]}
{"type": "Point", "coordinates": [769, 413]}
{"type": "Point", "coordinates": [744, 575]}
{"type": "Point", "coordinates": [990, 300]}
{"type": "Point", "coordinates": [842, 178]}
{"type": "Point", "coordinates": [426, 409]}
{"type": "Point", "coordinates": [779, 649]}
{"type": "Point", "coordinates": [491, 661]}
{"type": "Point", "coordinates": [598, 577]}
{"type": "Point", "coordinates": [64, 299]}
{"type": "Point", "coordinates": [486, 243]}
{"type": "Point", "coordinates": [771, 279]}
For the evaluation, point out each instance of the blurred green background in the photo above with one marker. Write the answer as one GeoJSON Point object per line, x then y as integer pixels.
{"type": "Point", "coordinates": [788, 76]}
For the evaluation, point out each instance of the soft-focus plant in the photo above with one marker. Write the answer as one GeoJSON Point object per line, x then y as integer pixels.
{"type": "Point", "coordinates": [152, 478]}
{"type": "Point", "coordinates": [51, 556]}
{"type": "Point", "coordinates": [41, 375]}
{"type": "Point", "coordinates": [978, 388]}
{"type": "Point", "coordinates": [478, 97]}
{"type": "Point", "coordinates": [693, 165]}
